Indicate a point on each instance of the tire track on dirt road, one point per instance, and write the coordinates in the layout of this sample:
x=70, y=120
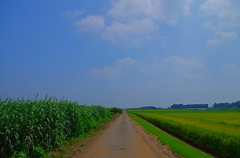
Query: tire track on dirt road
x=125, y=139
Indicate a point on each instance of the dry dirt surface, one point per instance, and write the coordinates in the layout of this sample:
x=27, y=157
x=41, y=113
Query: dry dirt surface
x=124, y=138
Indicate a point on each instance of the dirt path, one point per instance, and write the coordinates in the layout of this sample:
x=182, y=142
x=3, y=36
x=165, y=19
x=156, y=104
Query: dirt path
x=125, y=139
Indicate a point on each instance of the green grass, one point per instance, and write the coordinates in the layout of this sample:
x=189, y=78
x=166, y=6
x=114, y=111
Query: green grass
x=176, y=145
x=60, y=152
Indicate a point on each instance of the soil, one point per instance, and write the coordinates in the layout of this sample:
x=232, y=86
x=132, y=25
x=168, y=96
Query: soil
x=124, y=138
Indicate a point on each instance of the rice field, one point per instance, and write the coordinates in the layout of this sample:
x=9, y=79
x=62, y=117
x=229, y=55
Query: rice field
x=217, y=132
x=29, y=128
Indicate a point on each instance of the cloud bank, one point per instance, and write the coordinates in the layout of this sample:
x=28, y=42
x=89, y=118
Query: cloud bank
x=113, y=72
x=166, y=66
x=221, y=37
x=134, y=21
x=90, y=24
x=223, y=17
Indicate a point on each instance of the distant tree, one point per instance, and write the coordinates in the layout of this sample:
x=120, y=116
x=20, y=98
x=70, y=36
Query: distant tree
x=222, y=105
x=227, y=105
x=236, y=104
x=148, y=107
x=115, y=110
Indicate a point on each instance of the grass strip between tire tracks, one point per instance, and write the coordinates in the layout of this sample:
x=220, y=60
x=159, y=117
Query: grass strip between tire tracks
x=176, y=145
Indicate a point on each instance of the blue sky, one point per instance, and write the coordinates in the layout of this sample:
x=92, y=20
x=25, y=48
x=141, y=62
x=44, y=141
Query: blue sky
x=124, y=53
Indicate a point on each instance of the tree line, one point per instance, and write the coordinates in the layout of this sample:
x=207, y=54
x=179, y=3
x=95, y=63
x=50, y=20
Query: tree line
x=187, y=106
x=227, y=105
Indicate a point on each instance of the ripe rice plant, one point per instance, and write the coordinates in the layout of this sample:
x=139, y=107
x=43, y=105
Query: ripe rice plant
x=29, y=128
x=216, y=132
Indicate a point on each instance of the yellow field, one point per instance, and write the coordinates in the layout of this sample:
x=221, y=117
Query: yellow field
x=215, y=131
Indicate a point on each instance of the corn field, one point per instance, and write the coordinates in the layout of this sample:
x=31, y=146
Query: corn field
x=29, y=128
x=216, y=132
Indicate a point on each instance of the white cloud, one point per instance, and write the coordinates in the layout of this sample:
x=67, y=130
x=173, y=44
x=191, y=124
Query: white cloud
x=232, y=69
x=171, y=11
x=126, y=62
x=191, y=76
x=116, y=71
x=214, y=41
x=134, y=21
x=69, y=13
x=229, y=65
x=91, y=23
x=129, y=31
x=107, y=72
x=221, y=37
x=225, y=14
x=155, y=9
x=173, y=64
x=130, y=8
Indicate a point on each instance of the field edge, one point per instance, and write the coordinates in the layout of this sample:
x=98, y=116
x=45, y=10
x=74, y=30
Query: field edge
x=176, y=145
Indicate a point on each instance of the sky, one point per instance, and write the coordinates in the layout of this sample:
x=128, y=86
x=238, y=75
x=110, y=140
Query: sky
x=121, y=53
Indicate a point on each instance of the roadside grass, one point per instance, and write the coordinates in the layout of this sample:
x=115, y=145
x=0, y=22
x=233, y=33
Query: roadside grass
x=177, y=146
x=70, y=147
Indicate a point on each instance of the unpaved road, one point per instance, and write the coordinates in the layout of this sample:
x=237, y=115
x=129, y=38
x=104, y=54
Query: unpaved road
x=125, y=139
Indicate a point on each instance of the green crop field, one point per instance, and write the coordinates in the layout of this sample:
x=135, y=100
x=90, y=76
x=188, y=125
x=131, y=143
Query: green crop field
x=217, y=132
x=29, y=128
